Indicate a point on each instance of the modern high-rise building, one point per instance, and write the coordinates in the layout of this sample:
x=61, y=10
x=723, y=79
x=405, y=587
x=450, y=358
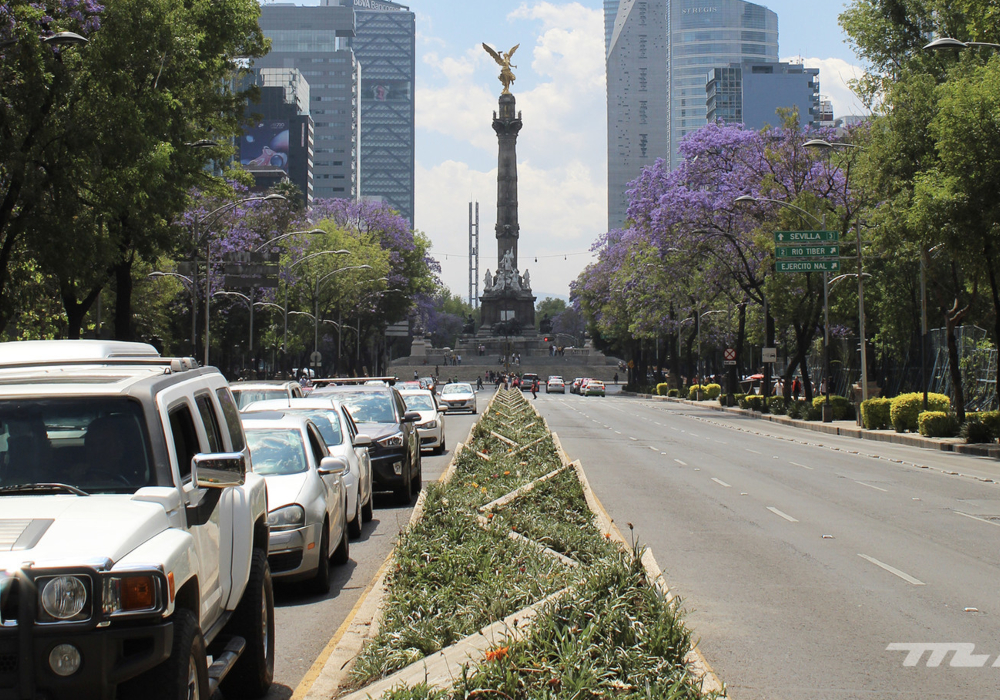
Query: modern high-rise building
x=638, y=106
x=610, y=13
x=385, y=45
x=659, y=57
x=751, y=93
x=315, y=41
x=705, y=34
x=277, y=142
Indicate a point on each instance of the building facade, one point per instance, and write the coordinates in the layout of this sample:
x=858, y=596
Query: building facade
x=385, y=46
x=705, y=34
x=638, y=107
x=610, y=13
x=315, y=41
x=751, y=93
x=277, y=142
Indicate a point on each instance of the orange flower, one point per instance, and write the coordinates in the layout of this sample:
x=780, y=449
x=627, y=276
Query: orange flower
x=498, y=653
x=506, y=473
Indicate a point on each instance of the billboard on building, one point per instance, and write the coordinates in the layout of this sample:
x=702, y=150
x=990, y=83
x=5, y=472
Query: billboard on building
x=265, y=144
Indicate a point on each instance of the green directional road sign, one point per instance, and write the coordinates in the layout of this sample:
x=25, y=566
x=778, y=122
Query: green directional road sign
x=800, y=237
x=807, y=251
x=808, y=266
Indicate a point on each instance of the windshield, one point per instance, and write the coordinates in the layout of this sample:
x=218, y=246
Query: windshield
x=245, y=397
x=457, y=389
x=326, y=420
x=367, y=406
x=419, y=402
x=277, y=451
x=94, y=444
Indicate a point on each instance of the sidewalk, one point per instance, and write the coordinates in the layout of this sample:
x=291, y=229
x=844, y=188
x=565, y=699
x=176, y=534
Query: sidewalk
x=848, y=428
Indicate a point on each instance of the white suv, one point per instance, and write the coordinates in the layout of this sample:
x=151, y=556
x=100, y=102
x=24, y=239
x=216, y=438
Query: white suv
x=133, y=538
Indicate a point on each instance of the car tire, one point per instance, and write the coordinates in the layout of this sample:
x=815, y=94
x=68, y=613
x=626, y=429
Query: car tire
x=320, y=585
x=354, y=526
x=442, y=448
x=404, y=492
x=343, y=552
x=418, y=478
x=254, y=621
x=368, y=509
x=182, y=674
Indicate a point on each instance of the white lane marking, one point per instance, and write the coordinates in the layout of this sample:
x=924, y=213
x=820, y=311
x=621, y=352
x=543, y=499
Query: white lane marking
x=799, y=465
x=683, y=464
x=692, y=434
x=892, y=570
x=982, y=520
x=749, y=450
x=720, y=482
x=618, y=432
x=722, y=442
x=654, y=449
x=659, y=424
x=786, y=516
x=872, y=487
x=632, y=438
x=674, y=429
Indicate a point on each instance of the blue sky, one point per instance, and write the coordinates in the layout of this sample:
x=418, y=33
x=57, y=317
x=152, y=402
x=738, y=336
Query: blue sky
x=562, y=149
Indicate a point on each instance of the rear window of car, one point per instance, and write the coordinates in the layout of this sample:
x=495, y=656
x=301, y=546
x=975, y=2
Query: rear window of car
x=457, y=389
x=326, y=420
x=366, y=406
x=245, y=397
x=277, y=451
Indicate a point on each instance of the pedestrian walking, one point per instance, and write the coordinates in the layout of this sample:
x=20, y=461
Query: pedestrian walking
x=616, y=378
x=534, y=389
x=479, y=383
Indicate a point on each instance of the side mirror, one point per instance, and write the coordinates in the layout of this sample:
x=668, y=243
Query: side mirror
x=218, y=471
x=332, y=465
x=411, y=417
x=362, y=440
x=442, y=408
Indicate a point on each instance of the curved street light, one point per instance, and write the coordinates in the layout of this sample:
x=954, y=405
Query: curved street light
x=157, y=274
x=319, y=281
x=310, y=232
x=946, y=42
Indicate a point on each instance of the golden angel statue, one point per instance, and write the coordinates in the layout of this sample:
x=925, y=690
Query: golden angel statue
x=503, y=60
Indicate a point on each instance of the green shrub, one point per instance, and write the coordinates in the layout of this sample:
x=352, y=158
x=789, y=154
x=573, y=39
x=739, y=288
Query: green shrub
x=991, y=419
x=712, y=391
x=662, y=389
x=974, y=430
x=905, y=409
x=937, y=423
x=842, y=408
x=875, y=414
x=777, y=405
x=810, y=411
x=693, y=392
x=674, y=393
x=758, y=403
x=792, y=410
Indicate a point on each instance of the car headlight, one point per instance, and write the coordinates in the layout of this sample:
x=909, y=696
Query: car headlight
x=428, y=425
x=395, y=440
x=287, y=517
x=64, y=597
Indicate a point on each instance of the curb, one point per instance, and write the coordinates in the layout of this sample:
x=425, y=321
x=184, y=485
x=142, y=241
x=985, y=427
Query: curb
x=330, y=673
x=975, y=450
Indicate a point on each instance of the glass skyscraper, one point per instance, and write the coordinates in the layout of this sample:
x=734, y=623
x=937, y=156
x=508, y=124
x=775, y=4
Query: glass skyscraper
x=659, y=55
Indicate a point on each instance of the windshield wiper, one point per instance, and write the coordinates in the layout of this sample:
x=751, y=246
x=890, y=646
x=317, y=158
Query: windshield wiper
x=38, y=488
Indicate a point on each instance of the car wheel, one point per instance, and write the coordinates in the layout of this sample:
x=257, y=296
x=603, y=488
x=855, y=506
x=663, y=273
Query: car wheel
x=320, y=585
x=254, y=621
x=418, y=478
x=442, y=448
x=343, y=552
x=183, y=675
x=368, y=509
x=404, y=492
x=354, y=526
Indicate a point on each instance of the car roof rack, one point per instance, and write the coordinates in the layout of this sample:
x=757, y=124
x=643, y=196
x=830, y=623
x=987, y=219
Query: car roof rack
x=326, y=381
x=79, y=353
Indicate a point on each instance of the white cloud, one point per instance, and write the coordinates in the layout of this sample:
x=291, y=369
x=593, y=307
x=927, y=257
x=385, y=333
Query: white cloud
x=834, y=75
x=562, y=148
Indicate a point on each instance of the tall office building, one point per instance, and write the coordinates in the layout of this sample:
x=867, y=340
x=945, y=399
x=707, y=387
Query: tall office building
x=659, y=57
x=315, y=40
x=706, y=34
x=277, y=143
x=751, y=93
x=385, y=45
x=638, y=108
x=610, y=13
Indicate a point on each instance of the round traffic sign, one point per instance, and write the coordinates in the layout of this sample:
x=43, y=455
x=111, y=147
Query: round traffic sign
x=730, y=354
x=316, y=357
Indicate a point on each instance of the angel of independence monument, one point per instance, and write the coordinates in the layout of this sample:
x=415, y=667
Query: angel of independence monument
x=507, y=306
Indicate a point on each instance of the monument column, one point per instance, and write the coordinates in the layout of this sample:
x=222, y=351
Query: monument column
x=507, y=126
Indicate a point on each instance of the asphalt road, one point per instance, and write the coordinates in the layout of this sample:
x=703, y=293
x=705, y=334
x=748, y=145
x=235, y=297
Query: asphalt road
x=801, y=556
x=304, y=623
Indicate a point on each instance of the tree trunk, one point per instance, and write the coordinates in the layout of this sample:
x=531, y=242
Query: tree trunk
x=953, y=318
x=76, y=311
x=123, y=299
x=994, y=292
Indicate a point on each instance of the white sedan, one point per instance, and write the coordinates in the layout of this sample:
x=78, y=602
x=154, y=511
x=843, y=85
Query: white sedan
x=343, y=440
x=458, y=397
x=555, y=384
x=430, y=427
x=305, y=497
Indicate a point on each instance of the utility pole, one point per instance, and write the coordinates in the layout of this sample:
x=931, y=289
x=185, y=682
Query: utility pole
x=474, y=256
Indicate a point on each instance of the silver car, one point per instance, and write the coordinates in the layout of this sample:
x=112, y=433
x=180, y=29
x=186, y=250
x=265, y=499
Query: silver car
x=430, y=427
x=247, y=393
x=305, y=497
x=458, y=397
x=343, y=439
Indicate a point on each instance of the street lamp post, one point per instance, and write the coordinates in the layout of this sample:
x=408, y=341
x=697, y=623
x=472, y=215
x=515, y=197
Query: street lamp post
x=319, y=281
x=194, y=303
x=343, y=251
x=249, y=302
x=701, y=361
